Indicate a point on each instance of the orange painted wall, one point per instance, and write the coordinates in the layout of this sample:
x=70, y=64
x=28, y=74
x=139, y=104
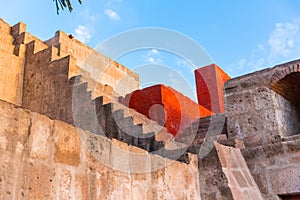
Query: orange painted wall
x=210, y=84
x=176, y=111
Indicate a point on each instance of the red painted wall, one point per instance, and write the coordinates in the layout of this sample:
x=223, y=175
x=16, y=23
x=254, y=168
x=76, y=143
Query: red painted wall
x=210, y=84
x=167, y=106
x=175, y=111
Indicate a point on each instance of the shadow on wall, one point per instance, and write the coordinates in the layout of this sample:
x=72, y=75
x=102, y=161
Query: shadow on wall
x=287, y=104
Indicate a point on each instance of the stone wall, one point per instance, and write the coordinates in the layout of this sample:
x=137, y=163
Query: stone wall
x=11, y=67
x=48, y=156
x=262, y=112
x=275, y=168
x=249, y=101
x=256, y=113
x=287, y=116
x=48, y=159
x=213, y=182
x=101, y=68
x=240, y=180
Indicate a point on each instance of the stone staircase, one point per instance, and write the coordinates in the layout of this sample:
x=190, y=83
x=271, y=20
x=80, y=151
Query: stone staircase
x=54, y=86
x=203, y=132
x=115, y=120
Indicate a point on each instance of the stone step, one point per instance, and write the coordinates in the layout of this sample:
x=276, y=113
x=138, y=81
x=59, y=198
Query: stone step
x=147, y=124
x=179, y=154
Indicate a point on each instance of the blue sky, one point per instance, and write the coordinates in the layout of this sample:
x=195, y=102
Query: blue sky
x=240, y=36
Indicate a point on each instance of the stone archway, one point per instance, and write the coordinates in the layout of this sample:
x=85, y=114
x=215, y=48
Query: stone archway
x=287, y=103
x=290, y=197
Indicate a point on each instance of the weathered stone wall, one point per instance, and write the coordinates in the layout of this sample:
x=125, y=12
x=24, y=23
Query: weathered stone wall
x=240, y=181
x=101, y=68
x=48, y=159
x=265, y=116
x=213, y=182
x=287, y=116
x=249, y=102
x=11, y=67
x=275, y=168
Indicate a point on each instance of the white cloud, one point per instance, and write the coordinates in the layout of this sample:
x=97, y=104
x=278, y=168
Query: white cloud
x=282, y=39
x=283, y=45
x=112, y=14
x=155, y=51
x=151, y=60
x=153, y=56
x=92, y=18
x=83, y=34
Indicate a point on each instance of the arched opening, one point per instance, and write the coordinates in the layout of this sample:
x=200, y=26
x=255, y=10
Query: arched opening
x=290, y=197
x=287, y=104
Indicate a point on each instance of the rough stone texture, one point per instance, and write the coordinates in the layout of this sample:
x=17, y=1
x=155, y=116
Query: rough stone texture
x=287, y=116
x=256, y=98
x=275, y=168
x=240, y=181
x=74, y=164
x=63, y=135
x=112, y=76
x=213, y=182
x=11, y=68
x=210, y=85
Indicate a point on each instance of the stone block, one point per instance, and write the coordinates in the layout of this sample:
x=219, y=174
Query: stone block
x=67, y=144
x=40, y=131
x=119, y=156
x=81, y=187
x=41, y=181
x=279, y=176
x=237, y=173
x=99, y=147
x=65, y=185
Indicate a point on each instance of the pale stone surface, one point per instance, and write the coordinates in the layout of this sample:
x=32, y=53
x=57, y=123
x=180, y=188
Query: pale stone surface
x=240, y=180
x=56, y=162
x=105, y=71
x=11, y=68
x=67, y=144
x=40, y=131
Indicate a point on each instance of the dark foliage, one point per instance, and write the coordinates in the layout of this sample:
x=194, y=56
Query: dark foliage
x=64, y=4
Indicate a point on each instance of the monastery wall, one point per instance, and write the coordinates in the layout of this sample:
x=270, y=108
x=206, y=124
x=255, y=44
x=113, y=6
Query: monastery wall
x=65, y=135
x=49, y=159
x=101, y=68
x=11, y=67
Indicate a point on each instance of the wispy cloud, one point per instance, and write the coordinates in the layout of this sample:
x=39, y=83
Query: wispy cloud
x=282, y=40
x=112, y=14
x=83, y=34
x=153, y=56
x=282, y=45
x=92, y=18
x=185, y=65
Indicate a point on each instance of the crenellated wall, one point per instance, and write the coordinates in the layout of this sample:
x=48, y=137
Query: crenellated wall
x=11, y=67
x=102, y=69
x=65, y=135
